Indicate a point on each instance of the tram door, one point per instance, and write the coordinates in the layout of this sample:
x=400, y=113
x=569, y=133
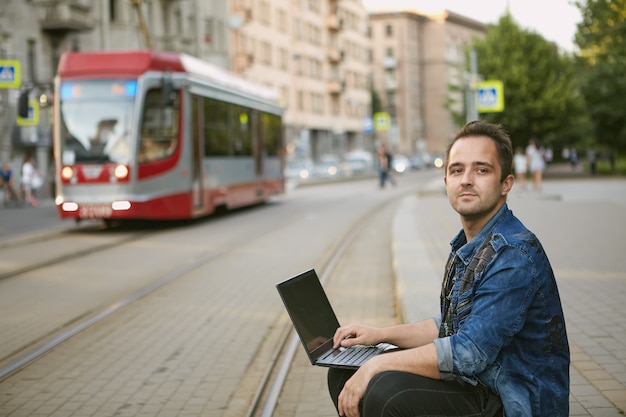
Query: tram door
x=259, y=152
x=197, y=145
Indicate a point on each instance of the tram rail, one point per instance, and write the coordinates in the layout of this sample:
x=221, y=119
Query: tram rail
x=279, y=340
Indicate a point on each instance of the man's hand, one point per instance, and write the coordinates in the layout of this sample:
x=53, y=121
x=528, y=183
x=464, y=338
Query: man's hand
x=354, y=390
x=356, y=334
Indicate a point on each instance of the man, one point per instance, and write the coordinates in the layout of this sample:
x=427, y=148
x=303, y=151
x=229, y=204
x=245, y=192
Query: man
x=384, y=167
x=499, y=345
x=9, y=192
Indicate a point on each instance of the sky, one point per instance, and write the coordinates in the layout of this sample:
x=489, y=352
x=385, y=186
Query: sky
x=555, y=20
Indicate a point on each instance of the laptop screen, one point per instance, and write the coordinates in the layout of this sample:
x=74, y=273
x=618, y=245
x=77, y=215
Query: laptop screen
x=310, y=310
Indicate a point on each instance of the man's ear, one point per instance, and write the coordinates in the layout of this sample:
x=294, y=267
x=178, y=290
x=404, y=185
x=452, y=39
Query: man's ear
x=507, y=184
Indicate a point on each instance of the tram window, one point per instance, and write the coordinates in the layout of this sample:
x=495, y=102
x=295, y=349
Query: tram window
x=241, y=130
x=272, y=133
x=159, y=128
x=215, y=127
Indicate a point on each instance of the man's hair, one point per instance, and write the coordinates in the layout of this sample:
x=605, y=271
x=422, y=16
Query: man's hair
x=497, y=134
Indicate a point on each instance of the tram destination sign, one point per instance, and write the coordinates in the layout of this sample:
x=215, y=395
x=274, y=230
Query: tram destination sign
x=10, y=73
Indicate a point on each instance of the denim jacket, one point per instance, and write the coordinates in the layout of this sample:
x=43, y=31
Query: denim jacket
x=508, y=330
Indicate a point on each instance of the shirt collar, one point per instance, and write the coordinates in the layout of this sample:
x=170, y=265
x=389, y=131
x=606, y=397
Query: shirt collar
x=465, y=250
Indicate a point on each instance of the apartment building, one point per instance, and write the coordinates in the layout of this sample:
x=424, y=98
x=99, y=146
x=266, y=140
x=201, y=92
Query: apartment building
x=417, y=57
x=322, y=56
x=315, y=53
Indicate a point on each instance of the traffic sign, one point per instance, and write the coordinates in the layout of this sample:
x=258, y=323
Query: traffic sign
x=490, y=96
x=33, y=115
x=368, y=125
x=382, y=121
x=10, y=73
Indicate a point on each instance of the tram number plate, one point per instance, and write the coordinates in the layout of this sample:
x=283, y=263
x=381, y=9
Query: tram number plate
x=95, y=211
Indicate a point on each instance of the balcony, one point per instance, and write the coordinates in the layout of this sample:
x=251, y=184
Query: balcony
x=64, y=16
x=389, y=62
x=336, y=87
x=334, y=55
x=391, y=85
x=333, y=22
x=244, y=60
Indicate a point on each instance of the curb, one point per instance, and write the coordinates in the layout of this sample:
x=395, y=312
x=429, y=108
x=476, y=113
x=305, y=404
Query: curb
x=417, y=281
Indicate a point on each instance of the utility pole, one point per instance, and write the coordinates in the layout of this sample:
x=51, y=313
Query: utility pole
x=471, y=111
x=142, y=23
x=5, y=121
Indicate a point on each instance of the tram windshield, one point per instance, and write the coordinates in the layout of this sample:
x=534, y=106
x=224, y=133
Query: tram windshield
x=95, y=121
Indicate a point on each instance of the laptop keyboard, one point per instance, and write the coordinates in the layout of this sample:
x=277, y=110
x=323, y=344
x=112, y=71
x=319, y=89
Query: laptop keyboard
x=356, y=355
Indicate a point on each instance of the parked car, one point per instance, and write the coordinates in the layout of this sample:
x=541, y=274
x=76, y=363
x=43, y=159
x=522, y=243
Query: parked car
x=358, y=163
x=420, y=161
x=299, y=170
x=328, y=166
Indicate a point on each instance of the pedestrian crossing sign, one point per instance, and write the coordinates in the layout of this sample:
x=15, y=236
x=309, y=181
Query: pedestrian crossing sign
x=382, y=121
x=33, y=115
x=10, y=73
x=490, y=96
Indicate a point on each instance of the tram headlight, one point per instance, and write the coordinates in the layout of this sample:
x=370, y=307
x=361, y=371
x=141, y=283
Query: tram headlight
x=67, y=173
x=121, y=205
x=120, y=172
x=69, y=206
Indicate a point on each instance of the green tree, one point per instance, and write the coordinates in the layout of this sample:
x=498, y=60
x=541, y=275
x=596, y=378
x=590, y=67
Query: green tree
x=540, y=88
x=601, y=37
x=377, y=105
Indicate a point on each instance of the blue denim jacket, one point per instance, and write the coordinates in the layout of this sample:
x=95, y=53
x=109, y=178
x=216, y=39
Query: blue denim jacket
x=508, y=325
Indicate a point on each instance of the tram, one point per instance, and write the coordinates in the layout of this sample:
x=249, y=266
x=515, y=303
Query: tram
x=161, y=136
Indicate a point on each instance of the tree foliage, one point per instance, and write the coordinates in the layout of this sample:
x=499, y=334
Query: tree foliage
x=540, y=88
x=601, y=37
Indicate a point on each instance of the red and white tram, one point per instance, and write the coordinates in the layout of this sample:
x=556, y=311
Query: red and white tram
x=161, y=135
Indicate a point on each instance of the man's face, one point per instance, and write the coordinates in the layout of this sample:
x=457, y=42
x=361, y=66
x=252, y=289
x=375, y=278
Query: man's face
x=473, y=179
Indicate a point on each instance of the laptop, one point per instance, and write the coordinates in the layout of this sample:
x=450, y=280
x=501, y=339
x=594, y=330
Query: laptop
x=315, y=322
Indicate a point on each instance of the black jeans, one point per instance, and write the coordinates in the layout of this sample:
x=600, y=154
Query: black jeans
x=402, y=394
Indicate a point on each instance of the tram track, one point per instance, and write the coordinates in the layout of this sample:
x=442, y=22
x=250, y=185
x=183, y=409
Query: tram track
x=42, y=261
x=42, y=347
x=266, y=397
x=116, y=238
x=272, y=382
x=212, y=249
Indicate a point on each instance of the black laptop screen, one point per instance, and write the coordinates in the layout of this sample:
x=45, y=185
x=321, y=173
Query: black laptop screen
x=309, y=308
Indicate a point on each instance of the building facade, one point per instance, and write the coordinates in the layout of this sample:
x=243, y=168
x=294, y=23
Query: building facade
x=417, y=58
x=315, y=53
x=322, y=56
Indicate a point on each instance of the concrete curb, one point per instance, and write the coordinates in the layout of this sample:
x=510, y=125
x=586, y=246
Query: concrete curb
x=417, y=280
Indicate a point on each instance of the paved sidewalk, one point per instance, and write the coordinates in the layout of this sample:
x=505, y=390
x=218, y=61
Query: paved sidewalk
x=576, y=222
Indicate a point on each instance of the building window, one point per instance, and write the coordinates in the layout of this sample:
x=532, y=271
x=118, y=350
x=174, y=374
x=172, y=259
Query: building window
x=264, y=12
x=282, y=21
x=297, y=28
x=389, y=30
x=300, y=101
x=284, y=57
x=113, y=11
x=31, y=51
x=266, y=53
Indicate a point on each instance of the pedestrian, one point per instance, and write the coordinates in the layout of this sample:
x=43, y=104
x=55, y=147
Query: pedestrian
x=9, y=193
x=498, y=345
x=520, y=164
x=573, y=158
x=385, y=167
x=29, y=180
x=592, y=160
x=536, y=163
